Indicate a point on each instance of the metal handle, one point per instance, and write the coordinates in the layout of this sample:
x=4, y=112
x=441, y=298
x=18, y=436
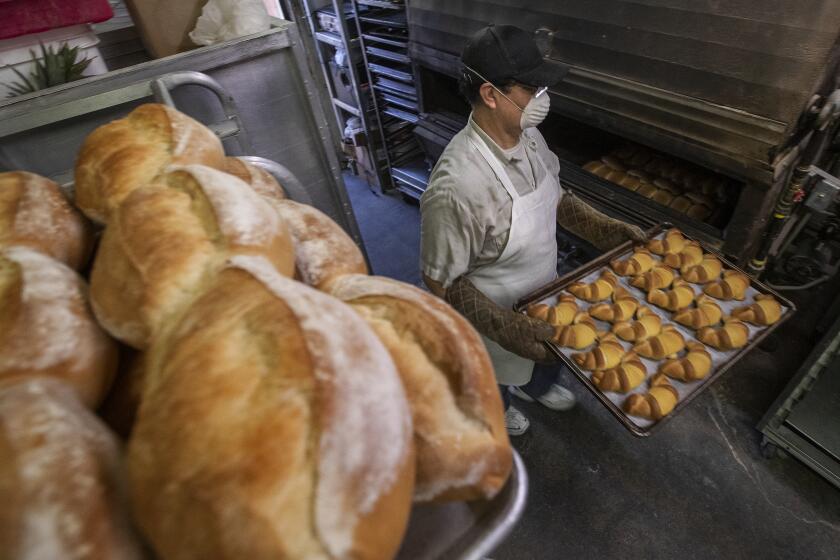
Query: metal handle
x=286, y=178
x=230, y=127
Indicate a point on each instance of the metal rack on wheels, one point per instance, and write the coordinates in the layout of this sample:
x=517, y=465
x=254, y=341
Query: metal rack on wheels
x=332, y=25
x=382, y=27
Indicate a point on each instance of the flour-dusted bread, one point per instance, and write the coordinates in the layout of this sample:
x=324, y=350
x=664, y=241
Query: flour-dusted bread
x=463, y=450
x=323, y=251
x=169, y=238
x=35, y=214
x=259, y=179
x=128, y=153
x=273, y=424
x=60, y=478
x=47, y=328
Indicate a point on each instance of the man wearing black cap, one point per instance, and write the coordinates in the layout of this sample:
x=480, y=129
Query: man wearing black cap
x=489, y=216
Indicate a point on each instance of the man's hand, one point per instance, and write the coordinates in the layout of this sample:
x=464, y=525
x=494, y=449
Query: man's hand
x=513, y=331
x=596, y=227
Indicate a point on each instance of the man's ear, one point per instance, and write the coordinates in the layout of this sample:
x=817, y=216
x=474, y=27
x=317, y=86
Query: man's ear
x=488, y=95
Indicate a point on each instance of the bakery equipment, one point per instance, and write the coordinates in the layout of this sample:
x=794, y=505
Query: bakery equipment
x=722, y=361
x=466, y=530
x=804, y=421
x=730, y=88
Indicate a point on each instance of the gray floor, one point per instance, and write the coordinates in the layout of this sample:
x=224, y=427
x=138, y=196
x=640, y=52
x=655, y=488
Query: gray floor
x=700, y=488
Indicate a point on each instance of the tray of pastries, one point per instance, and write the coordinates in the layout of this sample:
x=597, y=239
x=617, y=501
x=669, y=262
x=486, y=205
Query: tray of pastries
x=647, y=328
x=686, y=189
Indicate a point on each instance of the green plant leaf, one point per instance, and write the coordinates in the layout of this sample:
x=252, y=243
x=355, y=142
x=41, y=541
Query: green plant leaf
x=52, y=68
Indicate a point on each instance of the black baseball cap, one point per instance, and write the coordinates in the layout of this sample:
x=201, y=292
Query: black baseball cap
x=505, y=52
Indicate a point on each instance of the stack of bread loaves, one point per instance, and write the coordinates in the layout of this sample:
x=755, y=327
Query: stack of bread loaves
x=288, y=404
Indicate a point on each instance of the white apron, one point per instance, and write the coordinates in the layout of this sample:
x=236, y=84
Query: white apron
x=529, y=260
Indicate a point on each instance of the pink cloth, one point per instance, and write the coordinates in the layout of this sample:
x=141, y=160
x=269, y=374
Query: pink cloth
x=20, y=17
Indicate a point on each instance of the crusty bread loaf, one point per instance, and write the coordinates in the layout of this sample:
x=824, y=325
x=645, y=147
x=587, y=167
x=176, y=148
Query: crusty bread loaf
x=35, y=214
x=323, y=251
x=273, y=424
x=47, y=328
x=128, y=153
x=167, y=239
x=119, y=409
x=462, y=447
x=259, y=179
x=60, y=478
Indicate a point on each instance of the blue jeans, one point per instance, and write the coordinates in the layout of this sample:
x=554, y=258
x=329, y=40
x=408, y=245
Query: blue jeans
x=545, y=375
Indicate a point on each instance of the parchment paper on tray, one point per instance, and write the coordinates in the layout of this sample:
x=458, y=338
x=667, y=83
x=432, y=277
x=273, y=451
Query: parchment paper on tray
x=721, y=360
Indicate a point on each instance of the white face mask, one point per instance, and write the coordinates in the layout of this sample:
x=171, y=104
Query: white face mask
x=534, y=112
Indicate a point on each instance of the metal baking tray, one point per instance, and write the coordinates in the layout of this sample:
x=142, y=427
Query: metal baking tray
x=688, y=392
x=389, y=55
x=466, y=530
x=401, y=74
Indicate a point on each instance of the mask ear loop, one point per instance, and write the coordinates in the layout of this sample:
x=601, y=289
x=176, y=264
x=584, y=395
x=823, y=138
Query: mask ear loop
x=515, y=104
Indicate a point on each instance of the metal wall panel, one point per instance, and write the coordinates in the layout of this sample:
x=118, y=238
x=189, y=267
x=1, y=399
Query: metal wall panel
x=761, y=57
x=268, y=75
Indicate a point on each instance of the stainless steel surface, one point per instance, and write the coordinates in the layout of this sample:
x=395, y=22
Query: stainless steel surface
x=466, y=530
x=294, y=189
x=825, y=190
x=230, y=127
x=623, y=250
x=816, y=416
x=804, y=420
x=269, y=74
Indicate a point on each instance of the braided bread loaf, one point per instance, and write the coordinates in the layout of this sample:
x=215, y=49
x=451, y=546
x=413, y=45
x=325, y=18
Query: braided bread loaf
x=578, y=335
x=655, y=279
x=599, y=290
x=693, y=366
x=672, y=242
x=733, y=285
x=639, y=262
x=706, y=314
x=657, y=403
x=648, y=324
x=680, y=296
x=732, y=335
x=765, y=311
x=707, y=271
x=623, y=378
x=558, y=315
x=666, y=343
x=606, y=355
x=691, y=255
x=622, y=310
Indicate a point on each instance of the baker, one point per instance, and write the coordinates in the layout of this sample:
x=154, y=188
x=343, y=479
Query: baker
x=490, y=213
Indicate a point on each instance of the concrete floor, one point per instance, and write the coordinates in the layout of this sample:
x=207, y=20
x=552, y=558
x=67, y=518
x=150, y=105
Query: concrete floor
x=699, y=488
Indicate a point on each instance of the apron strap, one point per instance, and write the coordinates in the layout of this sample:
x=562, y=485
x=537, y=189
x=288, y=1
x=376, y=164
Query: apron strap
x=494, y=163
